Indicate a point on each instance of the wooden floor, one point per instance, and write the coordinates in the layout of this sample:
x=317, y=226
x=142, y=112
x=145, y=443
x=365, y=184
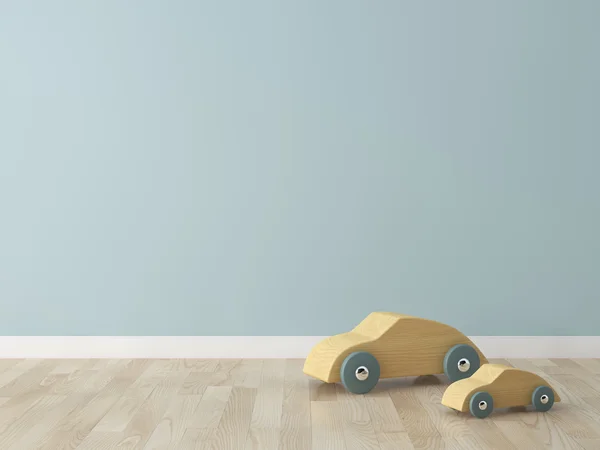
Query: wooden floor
x=271, y=404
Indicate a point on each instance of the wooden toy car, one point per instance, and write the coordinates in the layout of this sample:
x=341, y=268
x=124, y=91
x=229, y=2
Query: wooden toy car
x=390, y=345
x=499, y=386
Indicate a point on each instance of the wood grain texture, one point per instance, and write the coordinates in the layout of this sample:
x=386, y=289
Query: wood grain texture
x=544, y=429
x=358, y=429
x=235, y=422
x=489, y=434
x=211, y=407
x=589, y=444
x=429, y=443
x=519, y=435
x=403, y=345
x=169, y=432
x=262, y=439
x=413, y=415
x=327, y=426
x=20, y=426
x=592, y=365
x=393, y=441
x=295, y=430
x=271, y=404
x=164, y=386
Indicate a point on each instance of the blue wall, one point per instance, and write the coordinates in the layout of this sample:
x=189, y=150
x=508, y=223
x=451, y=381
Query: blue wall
x=269, y=167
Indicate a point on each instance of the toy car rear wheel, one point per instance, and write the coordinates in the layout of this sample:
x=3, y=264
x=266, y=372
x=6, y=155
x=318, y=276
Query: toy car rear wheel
x=481, y=404
x=542, y=398
x=360, y=372
x=461, y=361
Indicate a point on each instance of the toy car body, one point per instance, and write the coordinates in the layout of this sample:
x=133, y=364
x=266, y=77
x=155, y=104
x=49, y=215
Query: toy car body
x=499, y=386
x=394, y=345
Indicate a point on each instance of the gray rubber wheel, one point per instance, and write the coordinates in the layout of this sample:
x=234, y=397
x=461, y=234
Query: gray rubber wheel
x=481, y=404
x=461, y=361
x=360, y=372
x=542, y=398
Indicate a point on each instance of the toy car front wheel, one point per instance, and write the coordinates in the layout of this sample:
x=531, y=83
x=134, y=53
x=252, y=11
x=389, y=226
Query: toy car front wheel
x=461, y=361
x=481, y=404
x=360, y=372
x=542, y=398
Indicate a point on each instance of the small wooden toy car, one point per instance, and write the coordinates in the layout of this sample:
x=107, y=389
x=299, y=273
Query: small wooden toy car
x=390, y=345
x=499, y=386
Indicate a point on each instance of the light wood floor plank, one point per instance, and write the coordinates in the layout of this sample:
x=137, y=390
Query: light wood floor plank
x=412, y=414
x=249, y=404
x=211, y=407
x=589, y=444
x=6, y=364
x=566, y=395
x=170, y=430
x=14, y=370
x=566, y=363
x=592, y=365
x=577, y=422
x=267, y=410
x=69, y=383
x=75, y=427
x=321, y=392
x=42, y=407
x=102, y=440
x=428, y=443
x=262, y=439
x=234, y=372
x=95, y=380
x=197, y=382
x=68, y=366
x=44, y=429
x=199, y=439
x=389, y=440
x=268, y=401
x=593, y=403
x=518, y=434
x=146, y=418
x=121, y=413
x=13, y=408
x=295, y=433
x=384, y=416
x=358, y=429
x=499, y=361
x=577, y=386
x=525, y=364
x=28, y=381
x=249, y=373
x=235, y=422
x=200, y=365
x=327, y=426
x=542, y=362
x=489, y=434
x=546, y=430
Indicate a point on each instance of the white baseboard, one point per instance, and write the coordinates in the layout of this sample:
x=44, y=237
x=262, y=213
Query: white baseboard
x=263, y=346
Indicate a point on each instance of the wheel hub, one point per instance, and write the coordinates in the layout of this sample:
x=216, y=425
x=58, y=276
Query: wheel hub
x=464, y=365
x=362, y=373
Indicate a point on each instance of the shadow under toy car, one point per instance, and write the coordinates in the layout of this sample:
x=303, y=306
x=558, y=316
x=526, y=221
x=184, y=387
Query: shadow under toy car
x=390, y=345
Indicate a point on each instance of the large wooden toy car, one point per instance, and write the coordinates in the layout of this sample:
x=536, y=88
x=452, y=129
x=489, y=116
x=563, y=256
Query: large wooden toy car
x=390, y=345
x=499, y=386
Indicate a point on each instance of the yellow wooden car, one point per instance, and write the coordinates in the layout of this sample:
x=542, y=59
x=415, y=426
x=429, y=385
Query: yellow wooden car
x=499, y=386
x=390, y=345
